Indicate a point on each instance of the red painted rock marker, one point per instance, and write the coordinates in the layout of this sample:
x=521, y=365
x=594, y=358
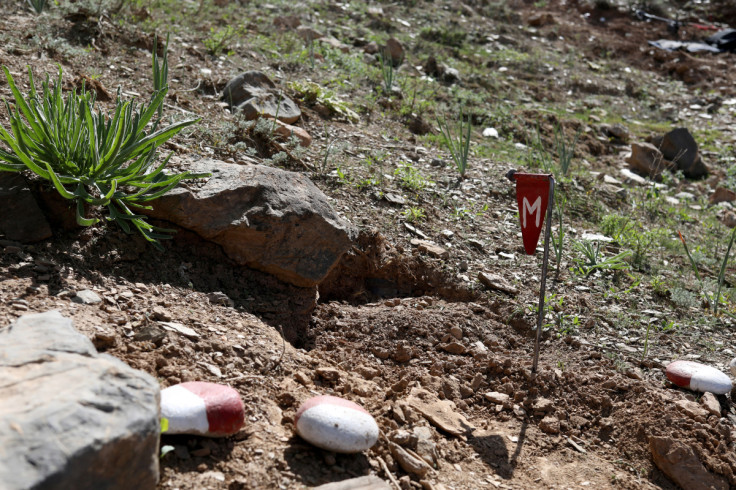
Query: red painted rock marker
x=336, y=424
x=200, y=408
x=698, y=377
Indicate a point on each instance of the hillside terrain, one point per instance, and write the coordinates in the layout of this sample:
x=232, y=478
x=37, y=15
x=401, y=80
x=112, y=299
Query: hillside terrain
x=428, y=320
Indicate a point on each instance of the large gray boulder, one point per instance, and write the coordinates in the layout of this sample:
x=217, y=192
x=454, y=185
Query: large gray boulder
x=70, y=417
x=265, y=218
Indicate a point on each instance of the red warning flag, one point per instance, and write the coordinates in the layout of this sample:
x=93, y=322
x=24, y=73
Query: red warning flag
x=532, y=195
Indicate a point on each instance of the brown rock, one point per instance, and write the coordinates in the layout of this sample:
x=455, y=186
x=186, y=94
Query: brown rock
x=408, y=462
x=497, y=398
x=721, y=194
x=328, y=374
x=161, y=313
x=441, y=414
x=648, y=160
x=285, y=131
x=617, y=132
x=494, y=281
x=371, y=48
x=550, y=425
x=729, y=219
x=692, y=409
x=268, y=219
x=285, y=22
x=21, y=219
x=454, y=348
x=679, y=146
x=395, y=51
x=308, y=34
x=92, y=85
x=679, y=462
x=255, y=95
x=541, y=19
x=543, y=405
x=335, y=43
x=710, y=403
x=432, y=250
x=368, y=372
x=403, y=353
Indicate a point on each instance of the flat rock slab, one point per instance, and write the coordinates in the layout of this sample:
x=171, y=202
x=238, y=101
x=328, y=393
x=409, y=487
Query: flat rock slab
x=70, y=417
x=370, y=482
x=440, y=413
x=494, y=281
x=21, y=219
x=698, y=377
x=265, y=218
x=87, y=297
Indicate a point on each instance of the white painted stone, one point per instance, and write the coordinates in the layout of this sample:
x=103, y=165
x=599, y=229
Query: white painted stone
x=490, y=133
x=185, y=411
x=336, y=424
x=698, y=377
x=199, y=408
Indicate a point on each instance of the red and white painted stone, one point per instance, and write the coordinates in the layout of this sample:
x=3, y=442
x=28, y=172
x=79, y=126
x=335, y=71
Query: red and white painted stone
x=336, y=424
x=698, y=377
x=200, y=408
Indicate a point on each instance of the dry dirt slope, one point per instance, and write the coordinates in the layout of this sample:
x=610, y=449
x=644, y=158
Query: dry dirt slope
x=406, y=341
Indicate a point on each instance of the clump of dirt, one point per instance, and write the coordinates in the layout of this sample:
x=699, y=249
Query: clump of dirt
x=374, y=269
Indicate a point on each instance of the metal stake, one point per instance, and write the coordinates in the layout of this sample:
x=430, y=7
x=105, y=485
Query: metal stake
x=542, y=286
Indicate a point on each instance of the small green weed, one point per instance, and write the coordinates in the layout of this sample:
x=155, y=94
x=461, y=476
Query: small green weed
x=219, y=39
x=414, y=214
x=683, y=298
x=565, y=150
x=593, y=260
x=411, y=179
x=457, y=141
x=448, y=37
x=558, y=239
x=713, y=299
x=387, y=72
x=311, y=94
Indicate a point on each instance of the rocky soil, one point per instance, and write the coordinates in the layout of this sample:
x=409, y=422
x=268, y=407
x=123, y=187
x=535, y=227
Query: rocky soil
x=403, y=326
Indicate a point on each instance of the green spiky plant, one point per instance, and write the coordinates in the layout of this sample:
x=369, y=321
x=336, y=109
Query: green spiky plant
x=38, y=5
x=457, y=141
x=92, y=157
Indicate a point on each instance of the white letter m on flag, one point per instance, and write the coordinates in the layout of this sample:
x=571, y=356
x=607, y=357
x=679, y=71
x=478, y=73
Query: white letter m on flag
x=534, y=208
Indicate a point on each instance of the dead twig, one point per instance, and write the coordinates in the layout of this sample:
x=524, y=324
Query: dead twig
x=391, y=477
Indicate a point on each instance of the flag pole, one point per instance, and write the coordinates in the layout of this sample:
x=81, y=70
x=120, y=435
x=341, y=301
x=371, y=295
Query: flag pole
x=542, y=286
